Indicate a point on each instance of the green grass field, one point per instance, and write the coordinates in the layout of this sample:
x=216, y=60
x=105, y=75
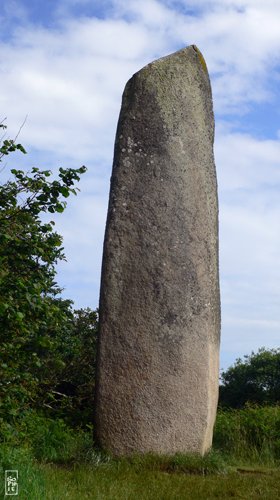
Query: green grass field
x=128, y=483
x=120, y=481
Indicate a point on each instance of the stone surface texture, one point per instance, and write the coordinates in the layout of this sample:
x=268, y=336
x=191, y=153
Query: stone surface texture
x=158, y=348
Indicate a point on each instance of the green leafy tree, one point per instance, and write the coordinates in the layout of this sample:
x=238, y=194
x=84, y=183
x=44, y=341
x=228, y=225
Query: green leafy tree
x=69, y=393
x=31, y=316
x=256, y=379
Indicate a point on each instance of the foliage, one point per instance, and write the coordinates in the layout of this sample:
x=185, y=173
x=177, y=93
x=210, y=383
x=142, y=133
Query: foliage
x=256, y=379
x=31, y=316
x=51, y=439
x=44, y=439
x=69, y=392
x=251, y=434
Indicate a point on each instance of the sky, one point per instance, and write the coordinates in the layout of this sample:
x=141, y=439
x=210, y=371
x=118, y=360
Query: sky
x=64, y=65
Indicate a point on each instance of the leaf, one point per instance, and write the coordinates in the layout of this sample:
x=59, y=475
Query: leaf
x=19, y=316
x=65, y=191
x=3, y=307
x=21, y=148
x=59, y=208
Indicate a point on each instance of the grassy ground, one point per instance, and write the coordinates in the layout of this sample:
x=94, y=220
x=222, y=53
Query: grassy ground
x=127, y=482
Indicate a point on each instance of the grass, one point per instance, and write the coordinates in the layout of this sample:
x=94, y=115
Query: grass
x=55, y=463
x=250, y=435
x=141, y=479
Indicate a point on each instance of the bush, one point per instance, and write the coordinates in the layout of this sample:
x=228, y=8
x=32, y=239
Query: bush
x=44, y=439
x=249, y=434
x=69, y=393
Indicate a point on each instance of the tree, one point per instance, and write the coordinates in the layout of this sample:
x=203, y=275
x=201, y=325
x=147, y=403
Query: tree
x=31, y=315
x=256, y=379
x=69, y=393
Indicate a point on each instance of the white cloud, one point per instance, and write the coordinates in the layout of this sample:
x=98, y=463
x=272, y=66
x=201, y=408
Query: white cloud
x=249, y=181
x=245, y=162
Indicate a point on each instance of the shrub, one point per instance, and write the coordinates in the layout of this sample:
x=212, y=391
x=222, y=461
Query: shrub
x=251, y=433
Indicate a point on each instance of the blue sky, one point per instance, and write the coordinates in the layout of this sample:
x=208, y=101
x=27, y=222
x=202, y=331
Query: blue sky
x=65, y=63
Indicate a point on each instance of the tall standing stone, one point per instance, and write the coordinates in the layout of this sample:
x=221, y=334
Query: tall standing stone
x=157, y=369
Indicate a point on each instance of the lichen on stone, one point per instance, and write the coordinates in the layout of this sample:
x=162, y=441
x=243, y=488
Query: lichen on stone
x=201, y=58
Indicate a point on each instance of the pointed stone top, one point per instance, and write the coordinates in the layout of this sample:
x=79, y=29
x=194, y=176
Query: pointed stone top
x=191, y=52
